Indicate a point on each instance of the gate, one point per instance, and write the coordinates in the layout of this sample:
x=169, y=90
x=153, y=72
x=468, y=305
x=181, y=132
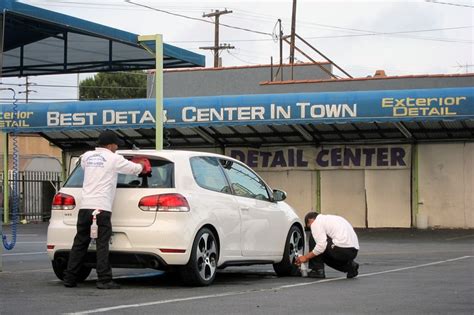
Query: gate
x=36, y=190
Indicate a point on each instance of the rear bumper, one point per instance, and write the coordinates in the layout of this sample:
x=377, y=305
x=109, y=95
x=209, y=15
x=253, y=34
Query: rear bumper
x=132, y=246
x=120, y=259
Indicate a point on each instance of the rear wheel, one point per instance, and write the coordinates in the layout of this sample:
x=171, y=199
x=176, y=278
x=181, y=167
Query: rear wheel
x=60, y=265
x=202, y=266
x=294, y=245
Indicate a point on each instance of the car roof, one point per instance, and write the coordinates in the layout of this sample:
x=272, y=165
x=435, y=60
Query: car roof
x=172, y=154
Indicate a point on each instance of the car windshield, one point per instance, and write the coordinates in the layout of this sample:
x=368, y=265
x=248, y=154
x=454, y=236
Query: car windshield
x=161, y=177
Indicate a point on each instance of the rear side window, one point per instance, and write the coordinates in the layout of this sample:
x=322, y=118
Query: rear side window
x=208, y=174
x=161, y=177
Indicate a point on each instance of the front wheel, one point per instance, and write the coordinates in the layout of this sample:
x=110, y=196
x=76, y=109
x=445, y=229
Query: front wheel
x=202, y=266
x=294, y=245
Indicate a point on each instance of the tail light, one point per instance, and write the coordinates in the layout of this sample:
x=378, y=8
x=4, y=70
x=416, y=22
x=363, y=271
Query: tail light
x=63, y=202
x=165, y=203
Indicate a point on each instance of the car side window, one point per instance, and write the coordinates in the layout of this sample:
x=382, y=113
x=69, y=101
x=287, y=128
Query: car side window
x=208, y=174
x=244, y=182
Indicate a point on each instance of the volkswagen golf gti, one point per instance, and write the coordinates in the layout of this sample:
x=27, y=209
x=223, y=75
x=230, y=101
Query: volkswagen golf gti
x=195, y=213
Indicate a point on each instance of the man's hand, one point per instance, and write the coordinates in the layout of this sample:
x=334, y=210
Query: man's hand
x=144, y=162
x=301, y=260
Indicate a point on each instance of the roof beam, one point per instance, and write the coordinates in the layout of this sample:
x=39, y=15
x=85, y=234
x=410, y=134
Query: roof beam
x=203, y=134
x=303, y=132
x=401, y=127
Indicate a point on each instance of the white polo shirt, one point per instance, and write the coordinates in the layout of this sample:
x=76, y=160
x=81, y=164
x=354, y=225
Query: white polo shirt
x=101, y=169
x=337, y=228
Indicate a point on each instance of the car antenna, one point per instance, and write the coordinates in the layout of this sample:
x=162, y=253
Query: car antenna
x=134, y=147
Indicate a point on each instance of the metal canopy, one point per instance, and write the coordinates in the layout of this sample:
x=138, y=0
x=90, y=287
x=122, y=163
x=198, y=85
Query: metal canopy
x=262, y=135
x=38, y=42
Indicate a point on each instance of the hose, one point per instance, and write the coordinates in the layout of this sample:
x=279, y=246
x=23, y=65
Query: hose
x=15, y=193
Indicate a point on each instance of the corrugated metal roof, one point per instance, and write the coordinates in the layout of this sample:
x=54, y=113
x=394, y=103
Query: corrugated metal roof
x=38, y=41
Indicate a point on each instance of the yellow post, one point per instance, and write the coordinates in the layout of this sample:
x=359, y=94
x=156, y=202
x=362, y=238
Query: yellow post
x=158, y=85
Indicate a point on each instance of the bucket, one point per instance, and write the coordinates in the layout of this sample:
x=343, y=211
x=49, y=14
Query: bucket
x=422, y=221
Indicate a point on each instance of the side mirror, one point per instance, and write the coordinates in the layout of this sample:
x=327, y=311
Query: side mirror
x=279, y=195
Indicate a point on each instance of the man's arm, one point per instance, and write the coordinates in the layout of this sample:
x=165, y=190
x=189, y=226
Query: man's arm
x=320, y=237
x=124, y=166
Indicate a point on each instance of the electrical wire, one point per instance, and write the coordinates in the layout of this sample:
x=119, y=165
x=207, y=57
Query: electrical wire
x=450, y=3
x=75, y=86
x=197, y=19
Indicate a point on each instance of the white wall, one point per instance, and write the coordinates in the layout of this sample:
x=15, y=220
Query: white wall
x=342, y=193
x=301, y=187
x=388, y=198
x=446, y=184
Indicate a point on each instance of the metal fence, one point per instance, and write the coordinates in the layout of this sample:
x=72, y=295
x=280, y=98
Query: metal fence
x=36, y=190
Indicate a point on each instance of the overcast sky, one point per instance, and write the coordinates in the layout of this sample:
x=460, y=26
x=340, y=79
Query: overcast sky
x=400, y=37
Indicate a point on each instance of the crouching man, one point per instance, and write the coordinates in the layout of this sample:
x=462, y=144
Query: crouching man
x=334, y=243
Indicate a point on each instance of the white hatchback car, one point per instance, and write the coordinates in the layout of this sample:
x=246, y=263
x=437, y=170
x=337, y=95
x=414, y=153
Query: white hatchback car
x=195, y=213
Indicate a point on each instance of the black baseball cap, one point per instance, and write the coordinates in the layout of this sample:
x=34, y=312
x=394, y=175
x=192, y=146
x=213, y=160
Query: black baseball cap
x=109, y=137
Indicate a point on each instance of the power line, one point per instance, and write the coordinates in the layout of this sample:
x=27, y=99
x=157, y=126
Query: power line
x=196, y=19
x=405, y=32
x=451, y=3
x=372, y=33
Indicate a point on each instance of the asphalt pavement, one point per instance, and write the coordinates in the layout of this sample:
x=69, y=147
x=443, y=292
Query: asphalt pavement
x=402, y=271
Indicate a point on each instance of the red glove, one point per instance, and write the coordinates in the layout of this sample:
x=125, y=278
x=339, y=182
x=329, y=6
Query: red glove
x=144, y=162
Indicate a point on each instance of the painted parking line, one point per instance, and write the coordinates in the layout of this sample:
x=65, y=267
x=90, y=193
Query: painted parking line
x=33, y=242
x=24, y=254
x=26, y=271
x=460, y=237
x=236, y=293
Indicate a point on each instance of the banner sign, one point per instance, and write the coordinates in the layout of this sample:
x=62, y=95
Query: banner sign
x=324, y=157
x=294, y=108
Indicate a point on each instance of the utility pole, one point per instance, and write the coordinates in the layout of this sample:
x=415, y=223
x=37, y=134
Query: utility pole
x=293, y=31
x=27, y=89
x=216, y=14
x=280, y=35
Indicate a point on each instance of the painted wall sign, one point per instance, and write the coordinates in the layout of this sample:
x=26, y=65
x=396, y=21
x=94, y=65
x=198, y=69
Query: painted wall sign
x=295, y=108
x=325, y=157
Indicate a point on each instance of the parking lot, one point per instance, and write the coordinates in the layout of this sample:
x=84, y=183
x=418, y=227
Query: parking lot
x=402, y=271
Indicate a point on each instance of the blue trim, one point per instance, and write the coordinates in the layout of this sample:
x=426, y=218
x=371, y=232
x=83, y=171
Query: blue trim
x=455, y=104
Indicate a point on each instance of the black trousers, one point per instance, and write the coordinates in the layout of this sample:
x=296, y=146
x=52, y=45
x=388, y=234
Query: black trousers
x=81, y=244
x=339, y=258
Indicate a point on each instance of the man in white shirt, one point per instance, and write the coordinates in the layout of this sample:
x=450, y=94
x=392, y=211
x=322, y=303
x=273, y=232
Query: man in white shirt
x=333, y=242
x=101, y=168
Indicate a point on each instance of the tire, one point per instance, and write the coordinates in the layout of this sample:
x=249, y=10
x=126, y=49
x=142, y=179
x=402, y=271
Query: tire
x=202, y=266
x=59, y=266
x=294, y=244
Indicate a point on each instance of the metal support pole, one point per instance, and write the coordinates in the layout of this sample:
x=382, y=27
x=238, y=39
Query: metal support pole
x=159, y=91
x=6, y=210
x=158, y=39
x=318, y=191
x=414, y=184
x=5, y=191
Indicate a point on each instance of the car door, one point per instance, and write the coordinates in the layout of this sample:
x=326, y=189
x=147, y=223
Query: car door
x=218, y=203
x=262, y=220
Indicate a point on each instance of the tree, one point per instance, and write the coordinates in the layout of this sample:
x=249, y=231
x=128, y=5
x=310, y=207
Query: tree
x=119, y=85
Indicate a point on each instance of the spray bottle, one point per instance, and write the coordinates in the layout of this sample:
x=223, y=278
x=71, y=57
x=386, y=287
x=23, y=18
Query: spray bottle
x=303, y=266
x=94, y=227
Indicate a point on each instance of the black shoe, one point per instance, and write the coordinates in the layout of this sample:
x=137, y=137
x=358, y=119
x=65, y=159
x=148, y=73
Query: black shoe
x=354, y=271
x=108, y=285
x=68, y=284
x=317, y=273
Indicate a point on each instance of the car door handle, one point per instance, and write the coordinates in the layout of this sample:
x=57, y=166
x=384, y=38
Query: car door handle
x=244, y=208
